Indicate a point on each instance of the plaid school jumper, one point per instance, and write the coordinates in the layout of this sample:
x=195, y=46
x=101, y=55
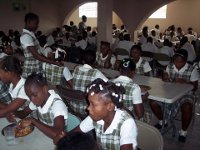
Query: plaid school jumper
x=5, y=97
x=110, y=141
x=80, y=80
x=30, y=63
x=189, y=97
x=48, y=118
x=140, y=69
x=128, y=97
x=53, y=73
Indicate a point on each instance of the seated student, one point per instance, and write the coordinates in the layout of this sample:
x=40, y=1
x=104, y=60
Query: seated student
x=84, y=75
x=132, y=99
x=181, y=72
x=142, y=66
x=105, y=58
x=45, y=48
x=52, y=111
x=75, y=141
x=114, y=127
x=5, y=48
x=5, y=96
x=55, y=74
x=10, y=73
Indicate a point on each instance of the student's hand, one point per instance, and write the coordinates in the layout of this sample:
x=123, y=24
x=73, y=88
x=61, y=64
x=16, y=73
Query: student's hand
x=25, y=122
x=58, y=137
x=58, y=63
x=11, y=117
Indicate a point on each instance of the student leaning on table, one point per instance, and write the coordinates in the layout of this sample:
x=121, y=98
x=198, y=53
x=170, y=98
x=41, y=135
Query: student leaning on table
x=10, y=73
x=114, y=127
x=181, y=72
x=52, y=111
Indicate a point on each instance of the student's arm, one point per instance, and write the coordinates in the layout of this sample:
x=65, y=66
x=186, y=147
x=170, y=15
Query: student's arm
x=13, y=106
x=23, y=113
x=126, y=147
x=139, y=110
x=50, y=131
x=35, y=53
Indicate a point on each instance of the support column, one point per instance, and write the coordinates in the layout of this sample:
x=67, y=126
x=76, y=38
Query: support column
x=104, y=21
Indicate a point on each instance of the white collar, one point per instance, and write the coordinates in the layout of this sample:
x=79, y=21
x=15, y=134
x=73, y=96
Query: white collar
x=182, y=69
x=49, y=101
x=29, y=32
x=124, y=78
x=87, y=66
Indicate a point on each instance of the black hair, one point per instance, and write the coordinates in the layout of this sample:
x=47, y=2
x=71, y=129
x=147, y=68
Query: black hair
x=43, y=40
x=37, y=79
x=11, y=64
x=181, y=53
x=30, y=16
x=150, y=39
x=107, y=44
x=89, y=57
x=108, y=89
x=127, y=37
x=137, y=47
x=76, y=141
x=127, y=65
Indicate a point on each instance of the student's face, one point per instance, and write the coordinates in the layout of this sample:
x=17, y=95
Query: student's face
x=33, y=24
x=179, y=62
x=5, y=76
x=98, y=108
x=135, y=54
x=104, y=49
x=37, y=94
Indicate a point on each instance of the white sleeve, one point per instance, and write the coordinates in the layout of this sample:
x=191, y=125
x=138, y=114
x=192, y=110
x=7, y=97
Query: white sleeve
x=67, y=74
x=195, y=75
x=59, y=109
x=101, y=76
x=167, y=70
x=137, y=99
x=32, y=106
x=22, y=94
x=26, y=40
x=147, y=67
x=128, y=133
x=86, y=125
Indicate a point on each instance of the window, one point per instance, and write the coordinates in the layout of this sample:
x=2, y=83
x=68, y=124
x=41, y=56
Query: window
x=160, y=13
x=89, y=10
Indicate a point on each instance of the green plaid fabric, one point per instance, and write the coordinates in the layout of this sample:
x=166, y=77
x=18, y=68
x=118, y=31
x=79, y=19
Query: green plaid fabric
x=30, y=63
x=128, y=96
x=185, y=75
x=53, y=73
x=110, y=141
x=5, y=97
x=47, y=118
x=82, y=78
x=140, y=69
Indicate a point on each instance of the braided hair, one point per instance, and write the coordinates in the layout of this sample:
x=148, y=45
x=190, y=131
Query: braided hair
x=37, y=79
x=108, y=89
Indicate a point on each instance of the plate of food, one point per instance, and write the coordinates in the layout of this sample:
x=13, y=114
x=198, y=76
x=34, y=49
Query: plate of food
x=145, y=87
x=20, y=132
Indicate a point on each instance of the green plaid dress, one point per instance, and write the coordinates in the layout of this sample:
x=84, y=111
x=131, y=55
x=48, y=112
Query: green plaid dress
x=110, y=141
x=48, y=118
x=53, y=73
x=5, y=97
x=140, y=69
x=30, y=63
x=80, y=80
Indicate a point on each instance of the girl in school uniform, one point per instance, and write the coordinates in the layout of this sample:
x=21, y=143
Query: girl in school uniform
x=52, y=112
x=10, y=74
x=115, y=128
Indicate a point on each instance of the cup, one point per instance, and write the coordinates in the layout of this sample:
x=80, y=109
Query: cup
x=9, y=133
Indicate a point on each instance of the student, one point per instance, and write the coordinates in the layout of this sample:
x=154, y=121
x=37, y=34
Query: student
x=10, y=73
x=52, y=111
x=84, y=75
x=4, y=93
x=180, y=72
x=114, y=127
x=76, y=141
x=142, y=66
x=31, y=46
x=45, y=48
x=105, y=58
x=132, y=99
x=82, y=25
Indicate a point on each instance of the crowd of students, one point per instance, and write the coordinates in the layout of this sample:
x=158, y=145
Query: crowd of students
x=113, y=104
